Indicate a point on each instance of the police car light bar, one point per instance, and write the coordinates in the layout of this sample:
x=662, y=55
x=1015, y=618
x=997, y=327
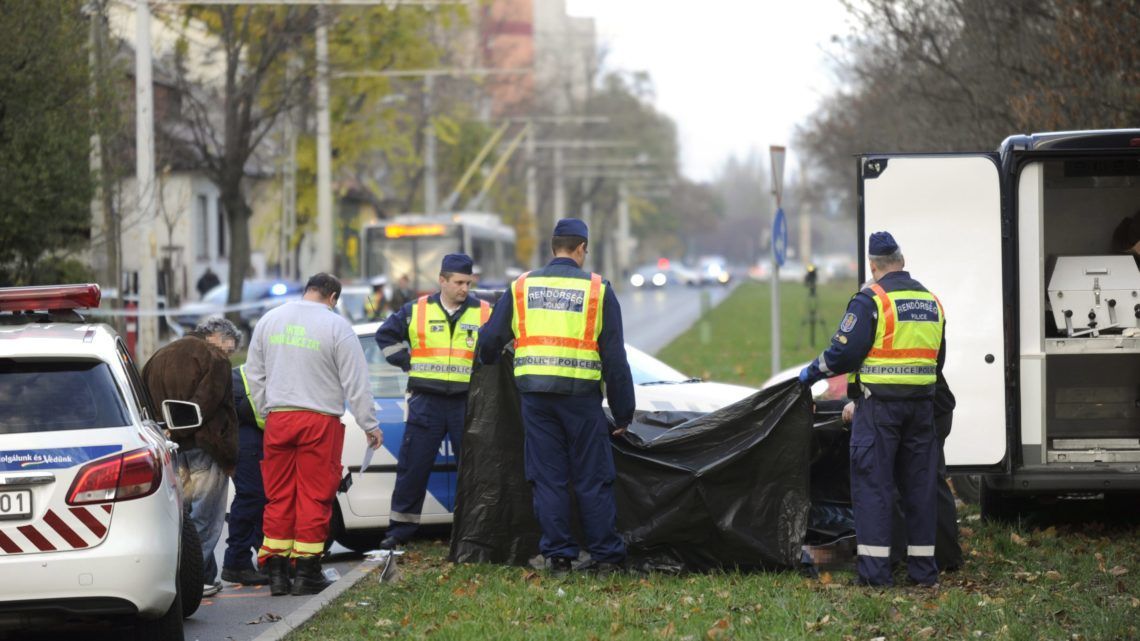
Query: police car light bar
x=49, y=298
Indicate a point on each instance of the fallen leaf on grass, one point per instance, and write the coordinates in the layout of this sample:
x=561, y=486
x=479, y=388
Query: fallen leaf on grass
x=406, y=620
x=384, y=623
x=531, y=575
x=825, y=578
x=718, y=629
x=925, y=632
x=1017, y=539
x=1118, y=570
x=818, y=625
x=1135, y=602
x=668, y=631
x=965, y=531
x=1053, y=575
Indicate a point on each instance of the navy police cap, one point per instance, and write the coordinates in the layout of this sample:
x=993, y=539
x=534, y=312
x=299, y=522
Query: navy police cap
x=882, y=243
x=457, y=264
x=571, y=227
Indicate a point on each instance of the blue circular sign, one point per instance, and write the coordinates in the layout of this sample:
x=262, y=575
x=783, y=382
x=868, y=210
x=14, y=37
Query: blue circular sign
x=780, y=237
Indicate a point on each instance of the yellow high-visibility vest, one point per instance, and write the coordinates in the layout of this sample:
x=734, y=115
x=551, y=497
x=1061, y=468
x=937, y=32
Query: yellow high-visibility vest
x=556, y=322
x=903, y=360
x=245, y=383
x=442, y=357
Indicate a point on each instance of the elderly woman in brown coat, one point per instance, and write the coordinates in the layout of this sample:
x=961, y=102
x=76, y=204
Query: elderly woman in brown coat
x=196, y=368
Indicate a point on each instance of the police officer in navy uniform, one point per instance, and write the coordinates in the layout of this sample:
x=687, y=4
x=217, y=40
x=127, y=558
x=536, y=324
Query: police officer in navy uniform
x=567, y=328
x=890, y=343
x=433, y=339
x=248, y=506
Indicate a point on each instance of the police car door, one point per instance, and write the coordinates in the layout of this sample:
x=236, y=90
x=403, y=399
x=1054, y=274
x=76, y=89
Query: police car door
x=945, y=213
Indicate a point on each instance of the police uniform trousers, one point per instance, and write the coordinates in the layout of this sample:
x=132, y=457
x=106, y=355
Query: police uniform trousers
x=947, y=549
x=249, y=500
x=301, y=472
x=893, y=443
x=568, y=445
x=430, y=418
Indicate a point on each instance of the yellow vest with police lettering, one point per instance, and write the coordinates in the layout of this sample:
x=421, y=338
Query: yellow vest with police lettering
x=556, y=322
x=903, y=360
x=442, y=358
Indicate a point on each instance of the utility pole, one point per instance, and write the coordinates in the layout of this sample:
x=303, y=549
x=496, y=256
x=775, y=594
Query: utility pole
x=144, y=178
x=323, y=258
x=779, y=245
x=532, y=194
x=431, y=192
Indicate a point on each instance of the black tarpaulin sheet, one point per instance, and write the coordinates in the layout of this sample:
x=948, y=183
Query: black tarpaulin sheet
x=728, y=489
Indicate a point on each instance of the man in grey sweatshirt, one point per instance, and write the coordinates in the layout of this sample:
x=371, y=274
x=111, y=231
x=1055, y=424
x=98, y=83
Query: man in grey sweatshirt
x=305, y=364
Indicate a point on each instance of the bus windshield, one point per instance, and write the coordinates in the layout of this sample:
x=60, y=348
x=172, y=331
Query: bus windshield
x=417, y=256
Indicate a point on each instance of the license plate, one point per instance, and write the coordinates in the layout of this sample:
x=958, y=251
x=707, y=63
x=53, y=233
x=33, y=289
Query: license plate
x=16, y=504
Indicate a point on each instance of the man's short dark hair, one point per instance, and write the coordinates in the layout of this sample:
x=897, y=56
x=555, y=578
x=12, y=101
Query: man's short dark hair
x=565, y=244
x=326, y=284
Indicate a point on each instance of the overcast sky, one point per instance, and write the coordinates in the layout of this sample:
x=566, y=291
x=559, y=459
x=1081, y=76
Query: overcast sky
x=735, y=75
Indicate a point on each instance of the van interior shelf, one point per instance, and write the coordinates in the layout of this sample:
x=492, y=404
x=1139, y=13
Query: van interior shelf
x=1108, y=344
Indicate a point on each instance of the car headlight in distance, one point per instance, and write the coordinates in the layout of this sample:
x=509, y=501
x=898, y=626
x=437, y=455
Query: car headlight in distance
x=659, y=279
x=278, y=289
x=722, y=277
x=637, y=280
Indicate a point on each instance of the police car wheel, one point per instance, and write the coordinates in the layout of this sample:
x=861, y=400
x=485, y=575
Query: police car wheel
x=190, y=568
x=355, y=540
x=167, y=627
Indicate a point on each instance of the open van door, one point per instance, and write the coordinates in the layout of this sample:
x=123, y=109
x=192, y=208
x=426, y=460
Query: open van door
x=945, y=213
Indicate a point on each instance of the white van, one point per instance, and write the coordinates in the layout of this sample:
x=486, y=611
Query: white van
x=1048, y=387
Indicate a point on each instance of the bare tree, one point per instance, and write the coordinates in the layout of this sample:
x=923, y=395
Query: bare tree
x=254, y=44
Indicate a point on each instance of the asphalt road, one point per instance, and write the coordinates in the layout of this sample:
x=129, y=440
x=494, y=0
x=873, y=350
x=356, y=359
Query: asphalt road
x=652, y=318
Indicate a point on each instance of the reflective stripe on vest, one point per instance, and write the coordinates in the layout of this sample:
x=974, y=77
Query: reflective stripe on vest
x=557, y=321
x=441, y=354
x=245, y=383
x=907, y=338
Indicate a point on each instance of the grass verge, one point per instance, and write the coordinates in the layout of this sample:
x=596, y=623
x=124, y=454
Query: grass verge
x=733, y=342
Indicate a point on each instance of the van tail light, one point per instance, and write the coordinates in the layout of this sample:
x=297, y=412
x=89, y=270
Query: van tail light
x=123, y=477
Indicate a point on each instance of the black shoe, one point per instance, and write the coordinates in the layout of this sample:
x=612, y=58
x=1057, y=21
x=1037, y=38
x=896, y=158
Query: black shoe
x=248, y=576
x=310, y=579
x=559, y=566
x=390, y=543
x=278, y=569
x=601, y=569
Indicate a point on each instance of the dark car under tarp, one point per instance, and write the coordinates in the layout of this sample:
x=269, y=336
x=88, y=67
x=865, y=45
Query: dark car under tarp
x=695, y=492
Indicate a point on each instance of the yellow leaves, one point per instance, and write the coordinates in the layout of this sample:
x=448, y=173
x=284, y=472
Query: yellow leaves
x=1053, y=575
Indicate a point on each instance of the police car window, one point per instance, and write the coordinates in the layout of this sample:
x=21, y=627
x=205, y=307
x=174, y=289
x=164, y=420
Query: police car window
x=53, y=395
x=146, y=405
x=386, y=379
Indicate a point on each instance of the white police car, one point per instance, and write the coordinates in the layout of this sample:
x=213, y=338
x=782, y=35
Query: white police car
x=91, y=514
x=361, y=514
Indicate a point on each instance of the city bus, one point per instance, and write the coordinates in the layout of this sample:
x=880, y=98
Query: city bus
x=414, y=245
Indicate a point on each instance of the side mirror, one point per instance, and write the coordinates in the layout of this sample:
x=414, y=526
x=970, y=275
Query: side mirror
x=181, y=415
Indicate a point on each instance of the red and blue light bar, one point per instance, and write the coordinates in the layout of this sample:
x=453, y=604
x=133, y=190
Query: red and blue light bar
x=49, y=298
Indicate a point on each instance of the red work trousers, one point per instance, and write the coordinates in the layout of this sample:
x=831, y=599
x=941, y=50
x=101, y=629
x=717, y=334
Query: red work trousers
x=301, y=471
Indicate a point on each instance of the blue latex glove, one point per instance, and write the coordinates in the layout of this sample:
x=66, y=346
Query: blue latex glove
x=805, y=375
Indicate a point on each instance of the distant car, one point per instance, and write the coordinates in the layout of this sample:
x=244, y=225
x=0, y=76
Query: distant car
x=361, y=514
x=91, y=511
x=257, y=297
x=351, y=303
x=713, y=270
x=662, y=273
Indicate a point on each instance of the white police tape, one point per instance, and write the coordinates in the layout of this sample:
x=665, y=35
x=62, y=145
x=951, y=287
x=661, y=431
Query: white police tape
x=195, y=310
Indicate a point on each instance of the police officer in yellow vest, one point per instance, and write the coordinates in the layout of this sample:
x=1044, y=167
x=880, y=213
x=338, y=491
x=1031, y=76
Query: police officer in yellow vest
x=567, y=329
x=248, y=505
x=433, y=339
x=890, y=343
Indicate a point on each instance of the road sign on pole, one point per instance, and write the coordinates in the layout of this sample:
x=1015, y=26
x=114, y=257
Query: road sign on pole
x=780, y=237
x=778, y=152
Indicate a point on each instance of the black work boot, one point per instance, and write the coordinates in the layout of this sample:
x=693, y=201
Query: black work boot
x=310, y=579
x=278, y=569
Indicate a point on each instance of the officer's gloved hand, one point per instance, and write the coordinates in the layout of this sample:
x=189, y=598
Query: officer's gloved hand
x=805, y=375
